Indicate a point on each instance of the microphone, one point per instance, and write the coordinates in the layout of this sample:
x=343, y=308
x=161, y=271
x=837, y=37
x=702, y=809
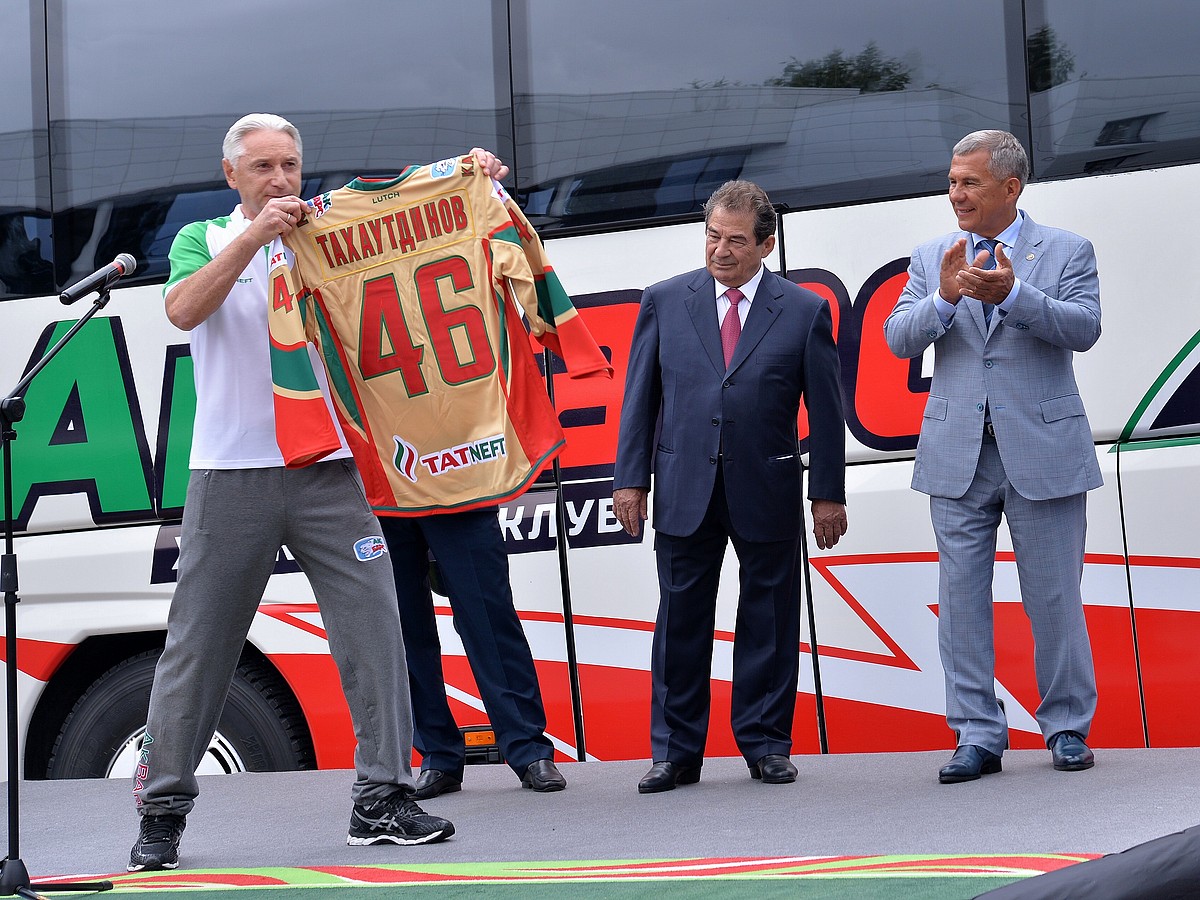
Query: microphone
x=100, y=280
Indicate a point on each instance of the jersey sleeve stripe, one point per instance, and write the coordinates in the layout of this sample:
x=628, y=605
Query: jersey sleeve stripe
x=291, y=370
x=340, y=381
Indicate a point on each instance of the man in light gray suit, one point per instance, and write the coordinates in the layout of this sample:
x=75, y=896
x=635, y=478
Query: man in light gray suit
x=1005, y=302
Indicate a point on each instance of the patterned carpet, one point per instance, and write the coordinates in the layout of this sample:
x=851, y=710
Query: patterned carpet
x=822, y=876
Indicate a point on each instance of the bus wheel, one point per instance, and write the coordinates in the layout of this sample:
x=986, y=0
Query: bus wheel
x=261, y=729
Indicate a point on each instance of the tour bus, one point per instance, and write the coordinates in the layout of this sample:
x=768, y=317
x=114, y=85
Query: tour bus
x=618, y=122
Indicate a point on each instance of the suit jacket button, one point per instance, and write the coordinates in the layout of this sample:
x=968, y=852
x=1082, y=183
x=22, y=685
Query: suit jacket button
x=987, y=363
x=712, y=460
x=726, y=384
x=716, y=421
x=979, y=406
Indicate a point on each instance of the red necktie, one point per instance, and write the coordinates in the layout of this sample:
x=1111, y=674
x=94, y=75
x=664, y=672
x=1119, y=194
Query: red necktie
x=731, y=327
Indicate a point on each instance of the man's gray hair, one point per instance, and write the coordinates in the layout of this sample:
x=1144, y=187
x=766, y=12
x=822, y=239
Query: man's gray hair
x=744, y=197
x=1006, y=156
x=231, y=147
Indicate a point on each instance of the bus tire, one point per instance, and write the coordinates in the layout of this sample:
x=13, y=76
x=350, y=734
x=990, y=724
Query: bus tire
x=261, y=729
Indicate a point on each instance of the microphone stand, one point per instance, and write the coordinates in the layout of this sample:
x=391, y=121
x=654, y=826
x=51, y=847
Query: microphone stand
x=14, y=877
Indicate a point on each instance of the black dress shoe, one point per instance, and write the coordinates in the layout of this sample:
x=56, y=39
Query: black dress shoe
x=543, y=776
x=432, y=782
x=968, y=763
x=1069, y=752
x=663, y=776
x=774, y=769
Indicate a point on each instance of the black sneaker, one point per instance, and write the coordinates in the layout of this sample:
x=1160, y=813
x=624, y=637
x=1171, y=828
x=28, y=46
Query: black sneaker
x=157, y=846
x=397, y=819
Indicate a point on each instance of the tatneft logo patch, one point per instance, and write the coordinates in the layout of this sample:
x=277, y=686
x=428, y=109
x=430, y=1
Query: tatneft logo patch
x=443, y=167
x=472, y=453
x=368, y=548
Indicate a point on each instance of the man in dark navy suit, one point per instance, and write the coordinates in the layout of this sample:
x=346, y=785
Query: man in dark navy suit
x=719, y=362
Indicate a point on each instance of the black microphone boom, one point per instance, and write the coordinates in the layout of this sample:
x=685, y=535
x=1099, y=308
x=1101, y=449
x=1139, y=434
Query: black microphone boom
x=100, y=280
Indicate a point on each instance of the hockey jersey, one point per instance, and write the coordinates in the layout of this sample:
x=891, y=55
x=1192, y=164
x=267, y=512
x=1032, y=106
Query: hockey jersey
x=418, y=292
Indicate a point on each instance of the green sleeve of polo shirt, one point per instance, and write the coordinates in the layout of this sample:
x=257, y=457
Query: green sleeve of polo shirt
x=190, y=250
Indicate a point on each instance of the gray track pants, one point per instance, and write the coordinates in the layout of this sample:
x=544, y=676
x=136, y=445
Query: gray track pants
x=234, y=522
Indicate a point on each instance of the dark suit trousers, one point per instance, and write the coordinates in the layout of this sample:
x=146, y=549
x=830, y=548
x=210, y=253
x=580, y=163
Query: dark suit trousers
x=469, y=550
x=766, y=654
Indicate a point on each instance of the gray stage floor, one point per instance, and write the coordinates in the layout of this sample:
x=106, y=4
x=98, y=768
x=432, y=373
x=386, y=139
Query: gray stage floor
x=842, y=804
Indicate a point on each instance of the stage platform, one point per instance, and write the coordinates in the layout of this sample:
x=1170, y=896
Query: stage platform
x=859, y=804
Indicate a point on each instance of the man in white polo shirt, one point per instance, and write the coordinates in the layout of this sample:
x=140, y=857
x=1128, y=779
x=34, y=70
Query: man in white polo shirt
x=243, y=505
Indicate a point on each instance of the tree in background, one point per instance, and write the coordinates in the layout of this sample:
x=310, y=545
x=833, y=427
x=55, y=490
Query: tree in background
x=1048, y=60
x=870, y=72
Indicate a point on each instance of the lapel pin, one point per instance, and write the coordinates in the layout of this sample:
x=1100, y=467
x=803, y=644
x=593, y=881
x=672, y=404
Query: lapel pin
x=1031, y=257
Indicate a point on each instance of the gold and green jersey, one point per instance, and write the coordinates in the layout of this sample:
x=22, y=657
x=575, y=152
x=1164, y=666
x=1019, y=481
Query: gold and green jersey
x=420, y=293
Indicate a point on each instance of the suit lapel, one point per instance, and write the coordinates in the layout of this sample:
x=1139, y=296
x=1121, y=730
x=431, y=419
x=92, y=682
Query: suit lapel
x=763, y=312
x=1027, y=252
x=702, y=307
